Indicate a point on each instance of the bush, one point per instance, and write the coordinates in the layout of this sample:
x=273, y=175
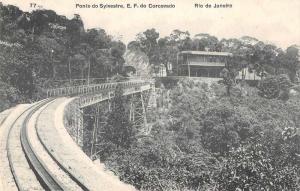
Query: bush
x=9, y=96
x=225, y=143
x=254, y=167
x=275, y=87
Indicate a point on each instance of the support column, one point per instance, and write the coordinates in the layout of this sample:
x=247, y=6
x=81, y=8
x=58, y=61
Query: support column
x=95, y=129
x=144, y=110
x=138, y=113
x=131, y=109
x=189, y=69
x=74, y=122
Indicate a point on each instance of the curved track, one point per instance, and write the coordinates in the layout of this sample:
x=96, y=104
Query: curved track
x=30, y=169
x=37, y=153
x=48, y=181
x=16, y=158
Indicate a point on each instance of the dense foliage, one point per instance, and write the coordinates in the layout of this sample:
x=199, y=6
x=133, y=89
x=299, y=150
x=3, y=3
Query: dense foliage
x=42, y=49
x=248, y=52
x=118, y=129
x=275, y=87
x=206, y=140
x=222, y=137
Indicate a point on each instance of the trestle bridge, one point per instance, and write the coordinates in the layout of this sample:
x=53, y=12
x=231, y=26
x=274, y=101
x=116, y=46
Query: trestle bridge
x=41, y=143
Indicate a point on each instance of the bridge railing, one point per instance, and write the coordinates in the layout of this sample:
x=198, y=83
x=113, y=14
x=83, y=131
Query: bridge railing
x=94, y=88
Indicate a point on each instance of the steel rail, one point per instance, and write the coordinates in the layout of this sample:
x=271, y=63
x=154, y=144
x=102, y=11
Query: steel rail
x=17, y=183
x=78, y=182
x=46, y=180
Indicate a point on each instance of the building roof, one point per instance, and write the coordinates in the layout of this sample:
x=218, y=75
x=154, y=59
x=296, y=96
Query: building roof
x=207, y=64
x=207, y=53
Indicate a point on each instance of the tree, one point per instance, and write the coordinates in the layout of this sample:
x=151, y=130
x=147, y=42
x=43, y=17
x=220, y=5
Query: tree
x=291, y=61
x=17, y=70
x=118, y=129
x=206, y=41
x=167, y=53
x=42, y=47
x=188, y=99
x=97, y=38
x=117, y=51
x=75, y=29
x=228, y=76
x=275, y=87
x=53, y=51
x=148, y=44
x=9, y=96
x=252, y=167
x=180, y=39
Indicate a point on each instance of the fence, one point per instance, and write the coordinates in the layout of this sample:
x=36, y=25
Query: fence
x=94, y=88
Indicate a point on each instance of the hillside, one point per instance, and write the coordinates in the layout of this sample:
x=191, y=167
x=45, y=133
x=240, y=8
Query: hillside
x=139, y=61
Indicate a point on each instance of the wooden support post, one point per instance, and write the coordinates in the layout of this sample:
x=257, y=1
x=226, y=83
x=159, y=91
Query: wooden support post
x=130, y=110
x=144, y=109
x=189, y=69
x=93, y=135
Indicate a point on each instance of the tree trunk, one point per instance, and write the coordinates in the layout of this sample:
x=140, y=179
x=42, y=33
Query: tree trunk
x=69, y=67
x=53, y=70
x=228, y=87
x=293, y=75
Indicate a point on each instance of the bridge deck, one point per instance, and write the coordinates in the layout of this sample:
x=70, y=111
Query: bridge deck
x=46, y=134
x=55, y=137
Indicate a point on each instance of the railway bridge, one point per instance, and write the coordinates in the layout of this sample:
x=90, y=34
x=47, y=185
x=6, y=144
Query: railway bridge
x=41, y=143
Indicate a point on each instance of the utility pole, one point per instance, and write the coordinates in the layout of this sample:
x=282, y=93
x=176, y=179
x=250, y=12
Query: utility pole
x=69, y=66
x=89, y=70
x=52, y=62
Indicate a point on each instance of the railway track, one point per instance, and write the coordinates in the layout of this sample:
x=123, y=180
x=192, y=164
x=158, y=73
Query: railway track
x=32, y=166
x=47, y=181
x=37, y=152
x=4, y=115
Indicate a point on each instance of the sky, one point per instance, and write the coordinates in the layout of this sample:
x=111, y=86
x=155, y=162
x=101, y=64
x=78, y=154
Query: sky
x=272, y=21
